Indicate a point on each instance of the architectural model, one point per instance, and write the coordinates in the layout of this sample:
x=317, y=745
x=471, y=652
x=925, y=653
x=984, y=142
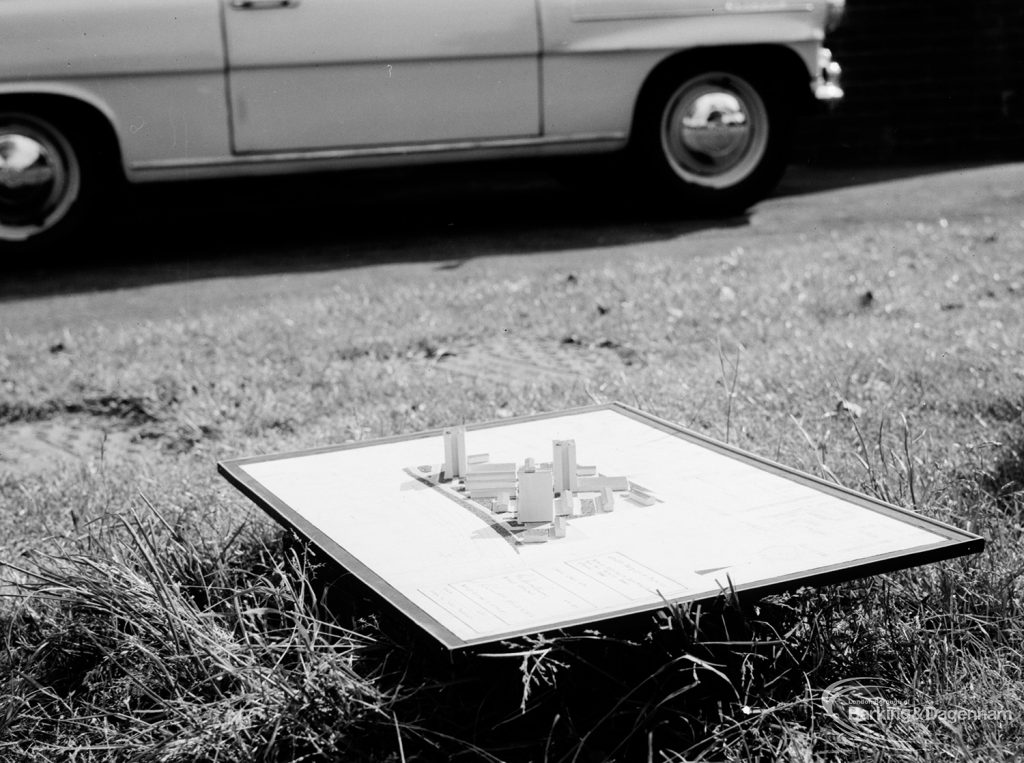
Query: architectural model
x=535, y=500
x=529, y=539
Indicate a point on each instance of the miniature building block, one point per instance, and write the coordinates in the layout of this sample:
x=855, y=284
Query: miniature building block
x=501, y=479
x=493, y=482
x=596, y=484
x=484, y=468
x=558, y=527
x=485, y=478
x=641, y=496
x=475, y=459
x=564, y=465
x=480, y=479
x=492, y=491
x=588, y=507
x=535, y=535
x=490, y=476
x=455, y=464
x=482, y=486
x=586, y=471
x=563, y=504
x=489, y=493
x=607, y=500
x=499, y=504
x=535, y=502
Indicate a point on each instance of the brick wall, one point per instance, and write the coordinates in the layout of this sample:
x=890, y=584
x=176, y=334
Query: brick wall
x=926, y=79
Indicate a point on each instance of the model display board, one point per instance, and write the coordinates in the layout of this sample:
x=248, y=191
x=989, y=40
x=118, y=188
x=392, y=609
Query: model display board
x=527, y=525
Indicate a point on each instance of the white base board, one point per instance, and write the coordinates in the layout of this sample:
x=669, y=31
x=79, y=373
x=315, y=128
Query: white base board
x=722, y=519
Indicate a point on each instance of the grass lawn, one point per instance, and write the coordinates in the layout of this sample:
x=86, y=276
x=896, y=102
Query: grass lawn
x=151, y=613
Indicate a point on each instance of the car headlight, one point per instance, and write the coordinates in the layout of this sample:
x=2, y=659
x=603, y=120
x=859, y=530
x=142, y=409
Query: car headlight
x=835, y=10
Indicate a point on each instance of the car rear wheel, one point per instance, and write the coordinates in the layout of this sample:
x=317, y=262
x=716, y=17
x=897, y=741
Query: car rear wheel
x=715, y=141
x=42, y=182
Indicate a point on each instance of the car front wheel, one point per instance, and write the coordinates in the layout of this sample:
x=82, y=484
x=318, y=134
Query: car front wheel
x=41, y=182
x=716, y=141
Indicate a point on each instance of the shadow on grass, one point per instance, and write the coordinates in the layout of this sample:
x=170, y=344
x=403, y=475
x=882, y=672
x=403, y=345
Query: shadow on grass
x=208, y=229
x=808, y=177
x=1005, y=482
x=180, y=232
x=251, y=647
x=625, y=689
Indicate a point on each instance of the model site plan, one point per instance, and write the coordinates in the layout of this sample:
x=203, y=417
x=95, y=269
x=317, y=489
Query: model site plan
x=528, y=525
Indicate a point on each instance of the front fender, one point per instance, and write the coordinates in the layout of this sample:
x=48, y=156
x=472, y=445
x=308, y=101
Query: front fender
x=154, y=69
x=599, y=53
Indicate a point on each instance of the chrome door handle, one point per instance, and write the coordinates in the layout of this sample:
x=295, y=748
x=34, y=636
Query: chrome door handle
x=262, y=5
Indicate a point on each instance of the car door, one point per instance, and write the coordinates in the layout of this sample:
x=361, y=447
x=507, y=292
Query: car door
x=322, y=74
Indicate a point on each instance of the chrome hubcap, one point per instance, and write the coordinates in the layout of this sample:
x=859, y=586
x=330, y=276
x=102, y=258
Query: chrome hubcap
x=715, y=130
x=39, y=180
x=715, y=126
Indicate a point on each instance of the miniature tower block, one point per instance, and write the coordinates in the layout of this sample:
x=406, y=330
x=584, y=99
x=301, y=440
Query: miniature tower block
x=455, y=462
x=563, y=465
x=535, y=502
x=558, y=527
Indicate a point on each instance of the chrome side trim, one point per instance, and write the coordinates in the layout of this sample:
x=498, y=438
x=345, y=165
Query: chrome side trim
x=663, y=10
x=768, y=6
x=371, y=152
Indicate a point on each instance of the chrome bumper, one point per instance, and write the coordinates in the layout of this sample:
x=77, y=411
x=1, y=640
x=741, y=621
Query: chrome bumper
x=827, y=85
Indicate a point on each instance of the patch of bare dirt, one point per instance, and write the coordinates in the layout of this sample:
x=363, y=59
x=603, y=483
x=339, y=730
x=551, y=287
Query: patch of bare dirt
x=41, y=445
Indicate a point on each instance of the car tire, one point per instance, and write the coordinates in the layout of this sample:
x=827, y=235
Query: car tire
x=47, y=183
x=713, y=141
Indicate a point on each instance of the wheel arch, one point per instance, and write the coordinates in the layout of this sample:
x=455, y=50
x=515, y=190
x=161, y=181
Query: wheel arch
x=755, y=61
x=86, y=113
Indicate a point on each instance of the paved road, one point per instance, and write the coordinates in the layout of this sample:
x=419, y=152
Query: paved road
x=183, y=249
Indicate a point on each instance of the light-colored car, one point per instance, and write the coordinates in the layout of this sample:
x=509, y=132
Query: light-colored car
x=702, y=93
